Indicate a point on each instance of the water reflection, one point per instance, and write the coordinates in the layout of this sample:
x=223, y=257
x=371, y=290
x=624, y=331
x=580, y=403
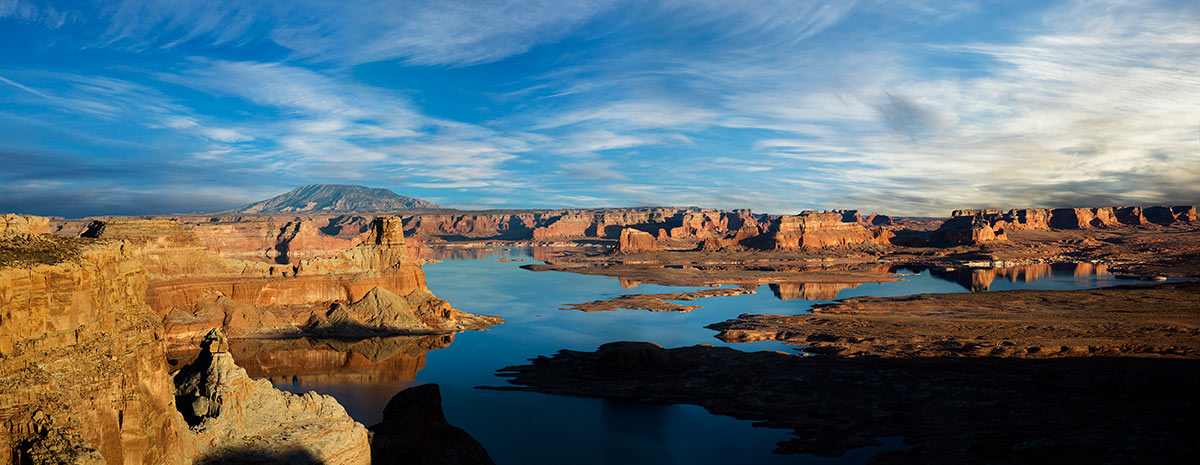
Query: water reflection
x=477, y=253
x=982, y=279
x=809, y=291
x=306, y=361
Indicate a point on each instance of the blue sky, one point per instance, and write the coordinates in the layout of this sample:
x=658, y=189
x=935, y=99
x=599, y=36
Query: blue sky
x=906, y=107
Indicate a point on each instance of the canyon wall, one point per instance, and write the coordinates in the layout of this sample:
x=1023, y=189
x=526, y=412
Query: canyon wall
x=84, y=368
x=292, y=240
x=986, y=225
x=193, y=290
x=83, y=374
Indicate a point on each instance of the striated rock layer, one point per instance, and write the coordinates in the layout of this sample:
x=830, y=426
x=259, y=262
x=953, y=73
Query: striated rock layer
x=633, y=241
x=193, y=290
x=814, y=230
x=83, y=376
x=979, y=226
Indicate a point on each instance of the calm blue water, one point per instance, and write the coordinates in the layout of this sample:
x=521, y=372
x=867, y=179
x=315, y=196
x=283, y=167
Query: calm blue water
x=532, y=428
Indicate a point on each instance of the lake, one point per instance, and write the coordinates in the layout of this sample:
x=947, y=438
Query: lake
x=534, y=428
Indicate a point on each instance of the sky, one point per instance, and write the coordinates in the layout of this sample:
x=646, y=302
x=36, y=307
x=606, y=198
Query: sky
x=911, y=107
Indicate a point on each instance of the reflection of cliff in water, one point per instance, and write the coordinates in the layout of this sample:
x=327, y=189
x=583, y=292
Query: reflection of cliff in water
x=981, y=279
x=379, y=360
x=477, y=253
x=810, y=291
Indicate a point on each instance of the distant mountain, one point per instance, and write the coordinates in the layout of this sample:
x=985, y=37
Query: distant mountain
x=336, y=198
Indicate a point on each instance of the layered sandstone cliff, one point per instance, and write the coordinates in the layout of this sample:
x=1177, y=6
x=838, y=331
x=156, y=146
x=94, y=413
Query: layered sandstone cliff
x=194, y=290
x=985, y=225
x=815, y=230
x=633, y=241
x=83, y=376
x=11, y=224
x=968, y=229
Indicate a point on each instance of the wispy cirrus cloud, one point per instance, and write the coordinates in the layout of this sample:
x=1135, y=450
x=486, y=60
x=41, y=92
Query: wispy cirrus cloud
x=904, y=107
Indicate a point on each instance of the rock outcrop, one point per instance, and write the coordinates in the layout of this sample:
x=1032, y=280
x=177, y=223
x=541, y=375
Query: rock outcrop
x=414, y=431
x=954, y=410
x=236, y=419
x=971, y=229
x=1058, y=218
x=633, y=241
x=815, y=230
x=382, y=312
x=83, y=376
x=194, y=290
x=11, y=224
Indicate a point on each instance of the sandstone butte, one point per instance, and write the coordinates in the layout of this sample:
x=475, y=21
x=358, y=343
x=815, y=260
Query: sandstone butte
x=84, y=375
x=633, y=241
x=988, y=225
x=813, y=230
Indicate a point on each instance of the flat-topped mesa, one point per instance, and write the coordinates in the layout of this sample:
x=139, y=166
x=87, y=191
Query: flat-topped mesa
x=235, y=417
x=633, y=241
x=277, y=241
x=485, y=225
x=812, y=230
x=972, y=229
x=163, y=246
x=11, y=224
x=679, y=223
x=1070, y=218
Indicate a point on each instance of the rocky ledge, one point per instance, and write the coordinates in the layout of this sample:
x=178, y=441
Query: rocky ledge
x=236, y=419
x=1141, y=321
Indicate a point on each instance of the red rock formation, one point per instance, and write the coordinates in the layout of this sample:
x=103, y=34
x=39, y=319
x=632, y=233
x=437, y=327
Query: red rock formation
x=969, y=229
x=876, y=219
x=1082, y=218
x=633, y=241
x=1185, y=213
x=193, y=290
x=83, y=369
x=1075, y=218
x=812, y=230
x=506, y=226
x=11, y=224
